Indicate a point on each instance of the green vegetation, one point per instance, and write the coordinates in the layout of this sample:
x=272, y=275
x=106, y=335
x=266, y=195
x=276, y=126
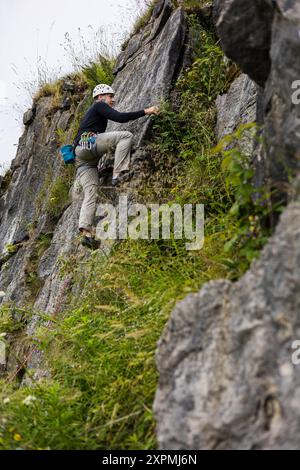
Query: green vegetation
x=5, y=182
x=193, y=5
x=59, y=193
x=52, y=89
x=99, y=71
x=61, y=136
x=250, y=216
x=56, y=90
x=54, y=195
x=100, y=348
x=143, y=19
x=8, y=321
x=33, y=281
x=11, y=248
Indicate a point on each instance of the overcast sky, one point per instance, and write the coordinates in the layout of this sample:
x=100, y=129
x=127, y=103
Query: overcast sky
x=32, y=36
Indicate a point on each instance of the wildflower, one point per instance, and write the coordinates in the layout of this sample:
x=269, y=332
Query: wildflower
x=17, y=437
x=28, y=400
x=6, y=400
x=2, y=294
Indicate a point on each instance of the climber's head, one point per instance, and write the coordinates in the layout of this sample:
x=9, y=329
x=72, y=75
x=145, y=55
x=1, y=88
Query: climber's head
x=104, y=93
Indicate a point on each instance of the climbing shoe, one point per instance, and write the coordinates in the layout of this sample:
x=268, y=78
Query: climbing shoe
x=122, y=177
x=90, y=242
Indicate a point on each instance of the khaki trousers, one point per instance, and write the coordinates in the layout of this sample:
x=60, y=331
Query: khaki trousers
x=87, y=175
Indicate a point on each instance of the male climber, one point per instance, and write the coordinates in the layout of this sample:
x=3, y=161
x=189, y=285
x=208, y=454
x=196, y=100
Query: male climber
x=91, y=142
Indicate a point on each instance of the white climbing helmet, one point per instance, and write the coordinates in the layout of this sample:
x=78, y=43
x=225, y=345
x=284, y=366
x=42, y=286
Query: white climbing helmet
x=102, y=89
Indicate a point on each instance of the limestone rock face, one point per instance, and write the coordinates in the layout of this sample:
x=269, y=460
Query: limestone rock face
x=236, y=107
x=144, y=73
x=227, y=380
x=146, y=69
x=282, y=112
x=29, y=116
x=242, y=104
x=35, y=166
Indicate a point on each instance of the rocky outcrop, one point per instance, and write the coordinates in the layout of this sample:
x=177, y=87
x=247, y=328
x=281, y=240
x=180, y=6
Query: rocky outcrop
x=237, y=107
x=241, y=105
x=36, y=165
x=227, y=380
x=262, y=36
x=245, y=31
x=29, y=116
x=282, y=115
x=147, y=68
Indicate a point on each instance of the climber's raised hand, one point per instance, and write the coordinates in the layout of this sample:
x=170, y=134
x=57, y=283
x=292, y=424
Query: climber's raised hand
x=152, y=110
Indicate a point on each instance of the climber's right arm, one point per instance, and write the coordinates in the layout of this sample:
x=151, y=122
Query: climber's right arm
x=109, y=113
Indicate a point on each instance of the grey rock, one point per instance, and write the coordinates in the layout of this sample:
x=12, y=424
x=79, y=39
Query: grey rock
x=69, y=85
x=161, y=20
x=158, y=8
x=236, y=107
x=155, y=65
x=263, y=38
x=245, y=31
x=66, y=103
x=282, y=116
x=227, y=380
x=242, y=105
x=146, y=35
x=29, y=116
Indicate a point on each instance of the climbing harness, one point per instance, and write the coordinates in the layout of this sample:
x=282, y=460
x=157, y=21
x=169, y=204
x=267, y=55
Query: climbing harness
x=87, y=140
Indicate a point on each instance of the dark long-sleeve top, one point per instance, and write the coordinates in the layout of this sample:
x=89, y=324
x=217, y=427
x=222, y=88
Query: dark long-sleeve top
x=95, y=119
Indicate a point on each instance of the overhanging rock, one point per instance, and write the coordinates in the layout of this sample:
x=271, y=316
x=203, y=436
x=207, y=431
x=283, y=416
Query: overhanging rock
x=244, y=28
x=262, y=36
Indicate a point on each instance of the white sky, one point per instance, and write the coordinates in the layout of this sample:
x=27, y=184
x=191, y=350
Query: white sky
x=33, y=28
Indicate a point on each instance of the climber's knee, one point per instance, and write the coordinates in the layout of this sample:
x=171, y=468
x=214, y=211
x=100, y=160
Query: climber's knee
x=128, y=134
x=91, y=192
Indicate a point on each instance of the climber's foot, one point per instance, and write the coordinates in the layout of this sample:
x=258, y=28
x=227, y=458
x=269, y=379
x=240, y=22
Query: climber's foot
x=115, y=181
x=90, y=242
x=87, y=232
x=123, y=176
